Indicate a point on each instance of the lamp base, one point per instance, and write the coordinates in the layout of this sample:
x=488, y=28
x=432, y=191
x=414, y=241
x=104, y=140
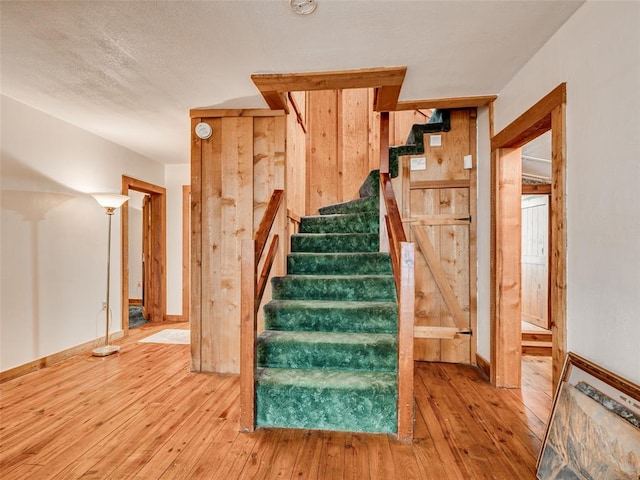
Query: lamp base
x=106, y=350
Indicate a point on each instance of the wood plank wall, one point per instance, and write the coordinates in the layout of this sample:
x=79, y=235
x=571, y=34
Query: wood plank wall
x=233, y=175
x=296, y=160
x=344, y=143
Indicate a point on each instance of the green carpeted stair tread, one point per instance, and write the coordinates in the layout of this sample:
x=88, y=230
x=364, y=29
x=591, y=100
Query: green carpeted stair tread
x=367, y=222
x=335, y=242
x=371, y=185
x=355, y=263
x=359, y=205
x=346, y=400
x=334, y=287
x=331, y=316
x=323, y=350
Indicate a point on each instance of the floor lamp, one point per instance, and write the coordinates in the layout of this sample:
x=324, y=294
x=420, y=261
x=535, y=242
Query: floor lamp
x=111, y=202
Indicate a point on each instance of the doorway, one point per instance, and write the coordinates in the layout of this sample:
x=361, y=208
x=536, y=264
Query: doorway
x=506, y=185
x=154, y=237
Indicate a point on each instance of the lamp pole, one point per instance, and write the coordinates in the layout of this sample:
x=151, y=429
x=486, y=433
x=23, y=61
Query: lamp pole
x=110, y=204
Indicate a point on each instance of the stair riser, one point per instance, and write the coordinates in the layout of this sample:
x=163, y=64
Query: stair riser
x=346, y=319
x=362, y=288
x=372, y=410
x=339, y=264
x=354, y=223
x=380, y=356
x=334, y=243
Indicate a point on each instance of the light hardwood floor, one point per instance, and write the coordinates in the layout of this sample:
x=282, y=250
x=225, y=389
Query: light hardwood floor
x=143, y=415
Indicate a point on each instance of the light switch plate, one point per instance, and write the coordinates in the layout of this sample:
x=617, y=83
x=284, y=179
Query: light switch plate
x=435, y=140
x=468, y=162
x=419, y=163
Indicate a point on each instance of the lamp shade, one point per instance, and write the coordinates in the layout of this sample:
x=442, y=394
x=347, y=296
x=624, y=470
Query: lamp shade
x=110, y=200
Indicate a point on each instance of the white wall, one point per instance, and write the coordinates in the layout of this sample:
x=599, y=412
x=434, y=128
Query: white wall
x=175, y=177
x=597, y=52
x=483, y=240
x=53, y=237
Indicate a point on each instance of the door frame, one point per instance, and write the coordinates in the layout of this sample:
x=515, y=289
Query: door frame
x=158, y=292
x=506, y=190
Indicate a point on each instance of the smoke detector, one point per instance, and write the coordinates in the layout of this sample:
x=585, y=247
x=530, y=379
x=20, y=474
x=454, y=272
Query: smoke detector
x=303, y=7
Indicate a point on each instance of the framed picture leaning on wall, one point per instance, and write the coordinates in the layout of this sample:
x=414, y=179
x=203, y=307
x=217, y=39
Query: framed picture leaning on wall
x=594, y=427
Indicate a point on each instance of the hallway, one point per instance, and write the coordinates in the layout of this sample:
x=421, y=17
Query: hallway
x=143, y=414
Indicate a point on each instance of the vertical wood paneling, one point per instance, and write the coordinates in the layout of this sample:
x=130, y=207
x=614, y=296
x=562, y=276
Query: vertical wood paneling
x=269, y=174
x=296, y=159
x=354, y=133
x=235, y=224
x=212, y=312
x=450, y=244
x=195, y=304
x=233, y=175
x=322, y=156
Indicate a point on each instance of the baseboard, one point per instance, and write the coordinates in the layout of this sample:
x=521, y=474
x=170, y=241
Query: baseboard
x=49, y=360
x=175, y=318
x=483, y=365
x=135, y=301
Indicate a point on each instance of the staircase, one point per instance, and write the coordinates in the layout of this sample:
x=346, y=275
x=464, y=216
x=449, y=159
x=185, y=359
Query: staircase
x=328, y=356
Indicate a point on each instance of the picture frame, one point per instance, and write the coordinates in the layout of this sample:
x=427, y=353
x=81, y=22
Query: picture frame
x=593, y=431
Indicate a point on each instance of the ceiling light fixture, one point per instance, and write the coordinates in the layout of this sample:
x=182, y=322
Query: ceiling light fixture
x=303, y=7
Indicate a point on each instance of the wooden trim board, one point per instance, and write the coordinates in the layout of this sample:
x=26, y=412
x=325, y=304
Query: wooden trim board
x=452, y=102
x=49, y=360
x=158, y=301
x=387, y=82
x=547, y=114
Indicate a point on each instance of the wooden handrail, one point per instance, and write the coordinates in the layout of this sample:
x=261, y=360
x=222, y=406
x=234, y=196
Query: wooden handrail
x=252, y=288
x=269, y=216
x=403, y=262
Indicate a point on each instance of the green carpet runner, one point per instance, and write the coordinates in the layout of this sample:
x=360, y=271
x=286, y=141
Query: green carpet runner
x=328, y=356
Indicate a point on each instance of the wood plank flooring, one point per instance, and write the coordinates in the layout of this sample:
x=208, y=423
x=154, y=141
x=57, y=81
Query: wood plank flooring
x=143, y=415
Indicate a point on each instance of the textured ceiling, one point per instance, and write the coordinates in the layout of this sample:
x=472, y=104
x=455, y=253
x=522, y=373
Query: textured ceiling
x=130, y=71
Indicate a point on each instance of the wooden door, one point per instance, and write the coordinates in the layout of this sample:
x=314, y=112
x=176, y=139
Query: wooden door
x=440, y=215
x=146, y=255
x=535, y=260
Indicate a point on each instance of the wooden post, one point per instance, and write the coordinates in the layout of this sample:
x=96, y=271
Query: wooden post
x=247, y=336
x=558, y=263
x=405, y=342
x=506, y=313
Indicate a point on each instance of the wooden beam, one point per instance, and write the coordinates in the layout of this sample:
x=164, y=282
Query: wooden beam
x=235, y=112
x=386, y=98
x=558, y=261
x=506, y=255
x=329, y=80
x=536, y=189
x=406, y=310
x=386, y=80
x=438, y=219
x=451, y=102
x=439, y=332
x=247, y=335
x=531, y=123
x=423, y=184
